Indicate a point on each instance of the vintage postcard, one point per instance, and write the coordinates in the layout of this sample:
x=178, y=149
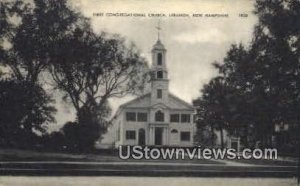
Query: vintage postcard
x=96, y=92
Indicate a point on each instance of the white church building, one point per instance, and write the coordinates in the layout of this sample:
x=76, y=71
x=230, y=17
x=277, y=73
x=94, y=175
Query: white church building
x=157, y=118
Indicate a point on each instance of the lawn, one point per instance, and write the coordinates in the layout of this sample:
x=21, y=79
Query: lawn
x=27, y=155
x=26, y=162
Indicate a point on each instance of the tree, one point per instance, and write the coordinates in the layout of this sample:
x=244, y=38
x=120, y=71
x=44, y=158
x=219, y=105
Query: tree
x=4, y=26
x=54, y=141
x=91, y=68
x=279, y=25
x=41, y=24
x=24, y=110
x=264, y=77
x=238, y=71
x=29, y=30
x=216, y=106
x=276, y=53
x=205, y=135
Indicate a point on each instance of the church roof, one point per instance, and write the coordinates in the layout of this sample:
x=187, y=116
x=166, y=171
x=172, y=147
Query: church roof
x=139, y=102
x=158, y=45
x=145, y=102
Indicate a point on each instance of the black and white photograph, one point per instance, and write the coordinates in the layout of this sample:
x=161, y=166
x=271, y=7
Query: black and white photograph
x=98, y=92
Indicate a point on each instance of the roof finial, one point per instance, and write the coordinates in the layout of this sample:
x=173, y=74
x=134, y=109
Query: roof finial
x=158, y=30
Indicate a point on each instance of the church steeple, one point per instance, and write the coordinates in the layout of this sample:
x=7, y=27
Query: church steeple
x=158, y=30
x=159, y=79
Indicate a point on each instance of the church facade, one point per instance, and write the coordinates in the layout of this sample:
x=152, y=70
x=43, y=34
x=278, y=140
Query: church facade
x=157, y=118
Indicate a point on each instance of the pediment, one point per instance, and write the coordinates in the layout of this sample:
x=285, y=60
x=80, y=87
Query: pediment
x=160, y=106
x=139, y=102
x=145, y=102
x=177, y=103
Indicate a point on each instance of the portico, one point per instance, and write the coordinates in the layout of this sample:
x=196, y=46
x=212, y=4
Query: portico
x=158, y=134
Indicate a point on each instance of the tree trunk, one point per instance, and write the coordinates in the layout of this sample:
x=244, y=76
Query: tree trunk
x=246, y=134
x=212, y=136
x=222, y=138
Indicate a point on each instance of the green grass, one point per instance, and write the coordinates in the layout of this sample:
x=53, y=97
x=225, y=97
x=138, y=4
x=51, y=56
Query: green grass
x=28, y=155
x=267, y=162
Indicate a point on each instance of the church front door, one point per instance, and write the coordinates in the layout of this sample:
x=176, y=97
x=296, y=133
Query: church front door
x=158, y=140
x=142, y=137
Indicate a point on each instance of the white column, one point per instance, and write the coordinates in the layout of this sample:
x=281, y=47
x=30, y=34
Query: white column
x=238, y=144
x=167, y=135
x=164, y=136
x=151, y=135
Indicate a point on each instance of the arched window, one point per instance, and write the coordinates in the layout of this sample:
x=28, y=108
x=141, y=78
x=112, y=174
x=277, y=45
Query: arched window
x=174, y=131
x=159, y=74
x=159, y=59
x=159, y=116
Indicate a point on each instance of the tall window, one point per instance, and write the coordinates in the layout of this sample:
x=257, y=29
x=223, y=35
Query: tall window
x=185, y=136
x=174, y=118
x=130, y=116
x=159, y=74
x=159, y=116
x=142, y=117
x=159, y=59
x=185, y=118
x=159, y=93
x=130, y=134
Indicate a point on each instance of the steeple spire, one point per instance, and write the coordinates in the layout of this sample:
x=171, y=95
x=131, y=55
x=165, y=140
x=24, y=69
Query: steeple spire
x=158, y=30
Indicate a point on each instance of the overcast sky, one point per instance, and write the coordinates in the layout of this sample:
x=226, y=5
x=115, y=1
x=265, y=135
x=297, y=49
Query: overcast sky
x=192, y=44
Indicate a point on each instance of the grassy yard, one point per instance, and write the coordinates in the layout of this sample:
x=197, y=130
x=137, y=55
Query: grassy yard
x=26, y=162
x=266, y=162
x=29, y=155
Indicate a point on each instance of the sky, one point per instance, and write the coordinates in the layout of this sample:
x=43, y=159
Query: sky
x=192, y=43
